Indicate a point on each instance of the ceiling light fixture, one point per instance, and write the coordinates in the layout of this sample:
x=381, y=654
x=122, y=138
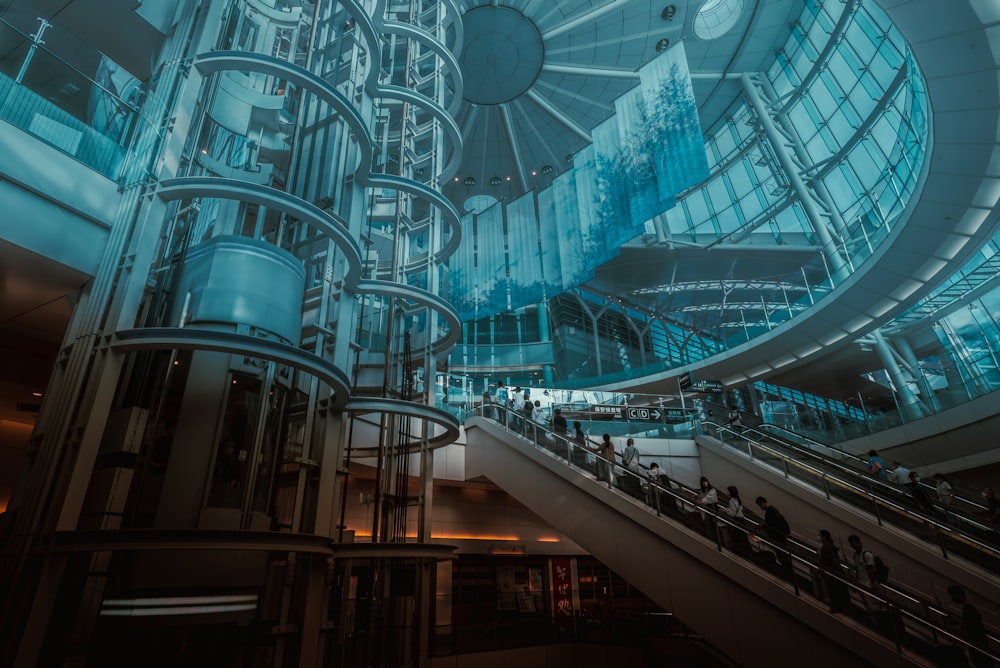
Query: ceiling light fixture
x=663, y=45
x=669, y=12
x=469, y=180
x=495, y=180
x=546, y=169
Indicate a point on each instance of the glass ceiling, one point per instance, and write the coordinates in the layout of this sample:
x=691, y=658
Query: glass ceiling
x=810, y=170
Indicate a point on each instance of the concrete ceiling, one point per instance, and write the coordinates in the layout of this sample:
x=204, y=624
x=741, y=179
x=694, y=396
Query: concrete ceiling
x=36, y=297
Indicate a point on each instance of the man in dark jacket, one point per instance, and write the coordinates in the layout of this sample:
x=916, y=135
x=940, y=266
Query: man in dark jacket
x=777, y=529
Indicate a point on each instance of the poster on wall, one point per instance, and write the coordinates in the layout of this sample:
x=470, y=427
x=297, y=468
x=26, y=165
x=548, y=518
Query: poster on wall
x=506, y=587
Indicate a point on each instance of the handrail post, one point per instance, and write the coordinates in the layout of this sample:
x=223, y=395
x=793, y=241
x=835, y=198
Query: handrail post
x=896, y=632
x=940, y=537
x=878, y=514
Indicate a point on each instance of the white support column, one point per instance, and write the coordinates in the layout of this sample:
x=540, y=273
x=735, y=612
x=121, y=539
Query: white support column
x=813, y=214
x=909, y=402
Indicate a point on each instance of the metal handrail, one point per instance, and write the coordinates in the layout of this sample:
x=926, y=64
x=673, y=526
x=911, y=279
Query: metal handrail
x=883, y=597
x=941, y=529
x=772, y=429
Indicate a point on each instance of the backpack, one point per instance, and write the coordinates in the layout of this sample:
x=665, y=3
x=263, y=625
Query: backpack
x=881, y=570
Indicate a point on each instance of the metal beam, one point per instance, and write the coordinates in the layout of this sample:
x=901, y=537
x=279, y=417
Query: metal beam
x=514, y=148
x=584, y=18
x=559, y=116
x=587, y=71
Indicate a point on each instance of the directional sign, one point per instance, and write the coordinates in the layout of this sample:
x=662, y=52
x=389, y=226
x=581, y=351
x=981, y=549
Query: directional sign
x=644, y=414
x=708, y=386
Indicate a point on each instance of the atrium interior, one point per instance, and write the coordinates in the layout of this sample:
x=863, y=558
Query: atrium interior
x=270, y=271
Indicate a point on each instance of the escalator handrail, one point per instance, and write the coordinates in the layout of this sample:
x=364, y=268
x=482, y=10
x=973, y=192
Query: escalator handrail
x=721, y=518
x=871, y=482
x=969, y=501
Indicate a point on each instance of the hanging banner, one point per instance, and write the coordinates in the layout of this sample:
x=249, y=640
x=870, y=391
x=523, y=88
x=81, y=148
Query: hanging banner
x=639, y=160
x=565, y=588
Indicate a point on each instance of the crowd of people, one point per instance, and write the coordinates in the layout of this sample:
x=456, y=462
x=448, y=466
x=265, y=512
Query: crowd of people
x=944, y=497
x=702, y=509
x=862, y=566
x=705, y=509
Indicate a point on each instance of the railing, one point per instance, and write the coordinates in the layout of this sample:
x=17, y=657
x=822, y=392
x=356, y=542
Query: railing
x=967, y=501
x=951, y=531
x=889, y=608
x=83, y=118
x=968, y=379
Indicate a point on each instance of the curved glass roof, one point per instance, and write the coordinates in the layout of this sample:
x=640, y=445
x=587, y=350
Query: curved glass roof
x=815, y=129
x=717, y=17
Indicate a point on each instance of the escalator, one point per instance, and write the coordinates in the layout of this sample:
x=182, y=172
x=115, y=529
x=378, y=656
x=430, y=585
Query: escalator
x=829, y=490
x=730, y=589
x=959, y=529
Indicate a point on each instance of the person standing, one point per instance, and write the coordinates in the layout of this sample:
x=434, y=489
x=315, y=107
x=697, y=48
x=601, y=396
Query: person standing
x=537, y=413
x=838, y=595
x=708, y=500
x=502, y=398
x=517, y=401
x=581, y=452
x=735, y=421
x=944, y=491
x=972, y=627
x=867, y=579
x=488, y=405
x=657, y=479
x=876, y=465
x=734, y=537
x=900, y=474
x=559, y=422
x=527, y=408
x=735, y=507
x=630, y=460
x=777, y=529
x=606, y=465
x=921, y=499
x=864, y=564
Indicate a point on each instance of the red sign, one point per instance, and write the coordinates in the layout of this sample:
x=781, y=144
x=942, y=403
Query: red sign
x=563, y=586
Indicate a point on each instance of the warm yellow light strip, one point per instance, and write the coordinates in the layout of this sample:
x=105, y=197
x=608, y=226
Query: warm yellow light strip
x=446, y=536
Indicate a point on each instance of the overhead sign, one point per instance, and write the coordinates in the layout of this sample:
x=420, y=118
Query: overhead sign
x=606, y=409
x=707, y=386
x=643, y=413
x=657, y=414
x=678, y=414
